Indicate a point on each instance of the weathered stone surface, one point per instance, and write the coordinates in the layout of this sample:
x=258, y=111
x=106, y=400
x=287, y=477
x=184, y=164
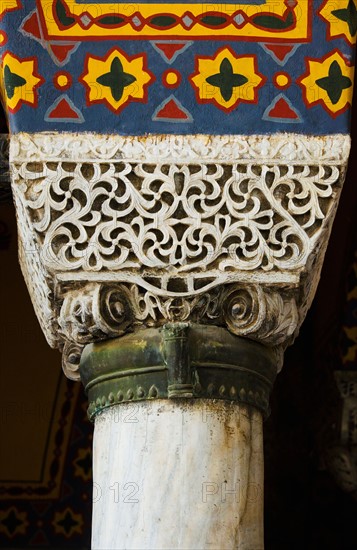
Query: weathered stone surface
x=183, y=475
x=121, y=232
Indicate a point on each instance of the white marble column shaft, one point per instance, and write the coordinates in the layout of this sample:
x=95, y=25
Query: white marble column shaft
x=178, y=475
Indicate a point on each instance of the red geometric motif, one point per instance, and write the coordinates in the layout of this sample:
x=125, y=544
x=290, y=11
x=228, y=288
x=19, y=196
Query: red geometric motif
x=282, y=109
x=171, y=110
x=170, y=49
x=62, y=52
x=62, y=109
x=32, y=26
x=280, y=51
x=39, y=539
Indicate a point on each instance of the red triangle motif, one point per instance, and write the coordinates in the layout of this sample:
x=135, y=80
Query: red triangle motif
x=32, y=27
x=66, y=491
x=62, y=51
x=39, y=539
x=63, y=110
x=40, y=507
x=172, y=111
x=169, y=48
x=282, y=109
x=280, y=50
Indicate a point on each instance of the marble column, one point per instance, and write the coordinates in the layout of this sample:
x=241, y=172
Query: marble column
x=178, y=441
x=178, y=475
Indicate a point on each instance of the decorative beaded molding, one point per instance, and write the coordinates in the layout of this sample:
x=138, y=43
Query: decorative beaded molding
x=127, y=231
x=179, y=360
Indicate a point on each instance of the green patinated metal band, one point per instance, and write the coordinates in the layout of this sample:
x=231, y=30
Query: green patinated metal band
x=179, y=360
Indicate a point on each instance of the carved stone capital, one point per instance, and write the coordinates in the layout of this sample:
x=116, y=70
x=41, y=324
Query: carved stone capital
x=122, y=233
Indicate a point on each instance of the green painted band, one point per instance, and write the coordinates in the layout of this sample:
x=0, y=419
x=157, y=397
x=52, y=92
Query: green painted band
x=177, y=361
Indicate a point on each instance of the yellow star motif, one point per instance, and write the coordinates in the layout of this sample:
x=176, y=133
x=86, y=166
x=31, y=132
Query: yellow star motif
x=9, y=5
x=226, y=79
x=68, y=523
x=351, y=333
x=19, y=81
x=328, y=81
x=116, y=79
x=17, y=518
x=341, y=17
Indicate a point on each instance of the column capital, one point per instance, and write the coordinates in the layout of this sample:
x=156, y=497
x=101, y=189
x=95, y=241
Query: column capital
x=120, y=233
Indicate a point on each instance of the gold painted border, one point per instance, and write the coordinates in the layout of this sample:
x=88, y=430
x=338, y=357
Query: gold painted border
x=249, y=32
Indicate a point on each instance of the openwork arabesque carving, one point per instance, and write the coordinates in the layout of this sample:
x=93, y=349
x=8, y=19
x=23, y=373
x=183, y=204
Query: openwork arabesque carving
x=123, y=240
x=181, y=218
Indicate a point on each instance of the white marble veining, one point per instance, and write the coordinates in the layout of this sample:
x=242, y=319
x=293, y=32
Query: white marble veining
x=178, y=475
